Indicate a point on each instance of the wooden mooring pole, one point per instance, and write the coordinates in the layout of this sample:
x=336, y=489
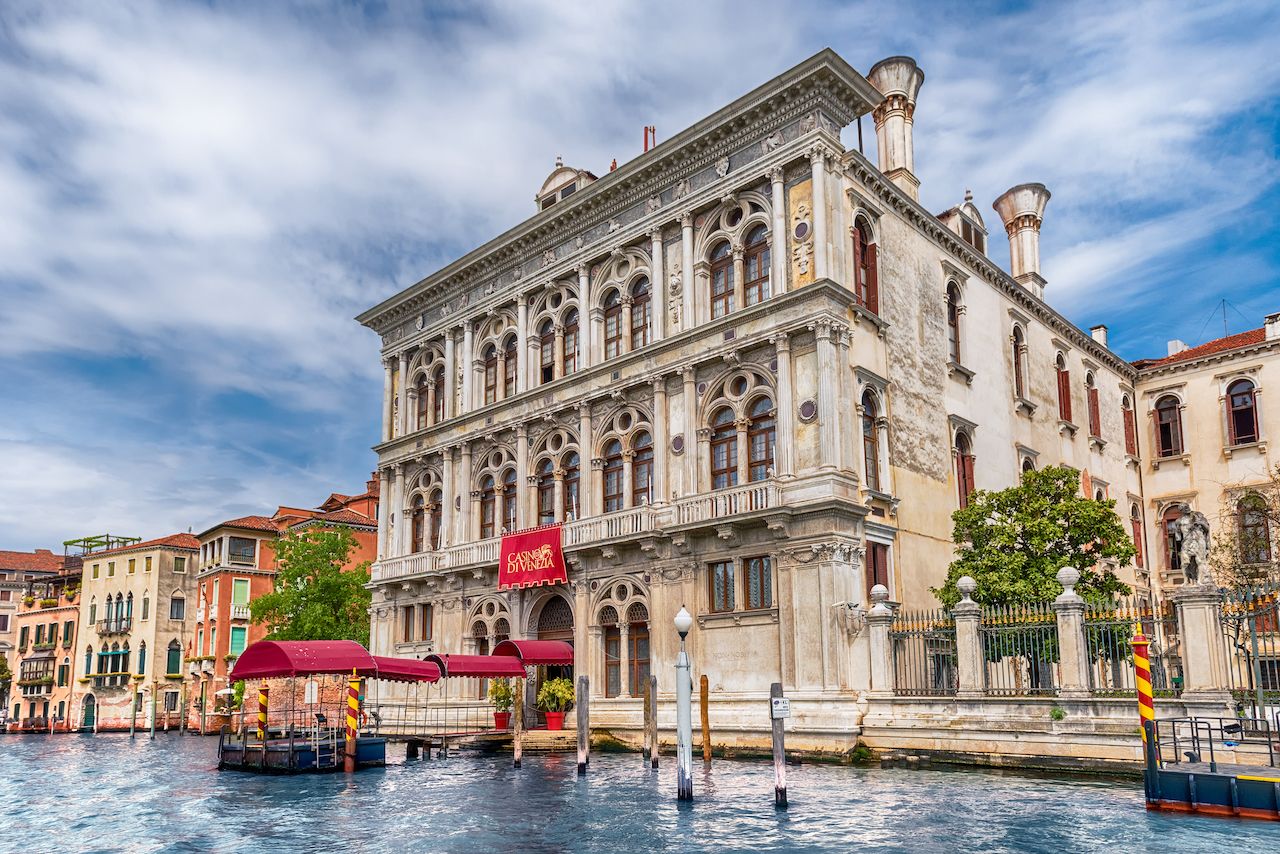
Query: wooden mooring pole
x=653, y=722
x=133, y=711
x=778, y=712
x=517, y=724
x=583, y=700
x=703, y=691
x=645, y=746
x=353, y=723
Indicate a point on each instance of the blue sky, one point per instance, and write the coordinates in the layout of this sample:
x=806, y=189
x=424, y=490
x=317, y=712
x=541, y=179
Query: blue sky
x=196, y=198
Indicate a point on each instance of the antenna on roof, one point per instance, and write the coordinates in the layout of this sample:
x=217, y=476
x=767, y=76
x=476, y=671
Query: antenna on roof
x=650, y=137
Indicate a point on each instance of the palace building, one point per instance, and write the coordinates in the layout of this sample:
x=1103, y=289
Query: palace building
x=746, y=372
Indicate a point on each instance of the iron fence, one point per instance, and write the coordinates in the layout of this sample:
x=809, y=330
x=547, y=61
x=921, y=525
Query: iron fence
x=1108, y=633
x=1251, y=629
x=924, y=654
x=1020, y=650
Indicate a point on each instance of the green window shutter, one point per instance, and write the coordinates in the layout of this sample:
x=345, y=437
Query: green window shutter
x=240, y=591
x=237, y=639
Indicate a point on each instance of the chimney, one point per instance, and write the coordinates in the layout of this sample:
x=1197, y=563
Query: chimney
x=1273, y=326
x=1176, y=346
x=898, y=78
x=1021, y=208
x=1099, y=333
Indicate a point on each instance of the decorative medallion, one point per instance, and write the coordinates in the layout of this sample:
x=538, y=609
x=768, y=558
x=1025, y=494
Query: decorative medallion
x=808, y=410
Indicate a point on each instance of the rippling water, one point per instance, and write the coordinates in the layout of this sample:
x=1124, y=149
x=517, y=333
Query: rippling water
x=81, y=793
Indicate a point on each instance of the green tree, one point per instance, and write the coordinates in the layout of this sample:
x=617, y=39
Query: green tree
x=6, y=677
x=314, y=599
x=1014, y=541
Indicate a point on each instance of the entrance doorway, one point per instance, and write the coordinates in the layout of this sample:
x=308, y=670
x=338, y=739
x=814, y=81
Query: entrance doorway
x=90, y=712
x=555, y=622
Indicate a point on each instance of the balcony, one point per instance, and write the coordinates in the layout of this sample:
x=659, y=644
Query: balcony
x=213, y=611
x=239, y=612
x=200, y=614
x=723, y=503
x=119, y=626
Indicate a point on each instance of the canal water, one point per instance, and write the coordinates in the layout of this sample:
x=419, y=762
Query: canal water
x=108, y=793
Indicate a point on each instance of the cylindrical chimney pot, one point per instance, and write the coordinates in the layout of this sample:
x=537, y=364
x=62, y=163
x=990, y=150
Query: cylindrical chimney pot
x=1021, y=209
x=899, y=79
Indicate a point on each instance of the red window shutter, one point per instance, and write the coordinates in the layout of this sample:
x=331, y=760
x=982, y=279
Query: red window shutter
x=873, y=280
x=1095, y=417
x=1137, y=541
x=1064, y=395
x=966, y=464
x=1231, y=422
x=1130, y=435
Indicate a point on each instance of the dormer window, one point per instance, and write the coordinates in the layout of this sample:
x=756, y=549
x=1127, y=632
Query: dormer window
x=562, y=183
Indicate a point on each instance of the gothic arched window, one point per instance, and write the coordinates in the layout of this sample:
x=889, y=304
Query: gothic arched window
x=1242, y=413
x=756, y=266
x=721, y=280
x=612, y=325
x=642, y=469
x=488, y=500
x=870, y=441
x=724, y=449
x=761, y=432
x=866, y=288
x=640, y=304
x=613, y=476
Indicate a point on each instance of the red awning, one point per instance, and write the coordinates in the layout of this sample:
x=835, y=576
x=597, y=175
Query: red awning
x=536, y=651
x=483, y=666
x=406, y=669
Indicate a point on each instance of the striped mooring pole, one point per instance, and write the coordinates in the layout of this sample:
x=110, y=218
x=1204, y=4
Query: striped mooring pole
x=1142, y=678
x=263, y=691
x=353, y=721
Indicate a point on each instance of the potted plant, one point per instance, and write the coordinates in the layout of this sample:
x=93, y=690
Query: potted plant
x=554, y=698
x=502, y=697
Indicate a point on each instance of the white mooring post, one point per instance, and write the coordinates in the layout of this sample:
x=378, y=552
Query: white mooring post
x=653, y=722
x=584, y=723
x=684, y=712
x=779, y=711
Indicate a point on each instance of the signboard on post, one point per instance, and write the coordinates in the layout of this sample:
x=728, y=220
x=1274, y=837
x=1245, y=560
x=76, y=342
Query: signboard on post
x=531, y=558
x=780, y=707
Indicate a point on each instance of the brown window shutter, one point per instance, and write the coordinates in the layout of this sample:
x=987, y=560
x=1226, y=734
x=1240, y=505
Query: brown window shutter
x=1064, y=395
x=1095, y=417
x=873, y=280
x=1130, y=434
x=1137, y=541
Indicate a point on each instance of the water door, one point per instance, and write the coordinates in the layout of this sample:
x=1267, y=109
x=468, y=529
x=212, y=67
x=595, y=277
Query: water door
x=90, y=712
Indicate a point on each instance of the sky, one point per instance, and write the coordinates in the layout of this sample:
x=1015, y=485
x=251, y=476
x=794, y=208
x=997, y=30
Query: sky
x=196, y=198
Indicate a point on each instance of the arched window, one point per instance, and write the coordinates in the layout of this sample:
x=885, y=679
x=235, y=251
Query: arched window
x=721, y=280
x=490, y=374
x=953, y=323
x=173, y=658
x=509, y=500
x=612, y=651
x=761, y=433
x=724, y=449
x=870, y=441
x=419, y=521
x=1135, y=528
x=1019, y=375
x=424, y=400
x=546, y=492
x=1064, y=388
x=1255, y=532
x=866, y=288
x=88, y=660
x=638, y=647
x=1168, y=426
x=435, y=507
x=964, y=468
x=641, y=469
x=437, y=382
x=1028, y=464
x=571, y=469
x=1242, y=413
x=571, y=341
x=1095, y=413
x=640, y=304
x=613, y=476
x=142, y=658
x=1172, y=546
x=756, y=266
x=612, y=325
x=1130, y=427
x=547, y=351
x=128, y=607
x=123, y=666
x=510, y=366
x=488, y=498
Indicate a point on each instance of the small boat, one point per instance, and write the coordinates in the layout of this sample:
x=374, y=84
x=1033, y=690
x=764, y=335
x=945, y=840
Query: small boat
x=1215, y=766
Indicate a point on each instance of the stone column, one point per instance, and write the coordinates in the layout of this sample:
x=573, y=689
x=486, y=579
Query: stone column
x=826, y=394
x=688, y=313
x=1204, y=660
x=468, y=368
x=702, y=460
x=744, y=452
x=431, y=405
x=384, y=503
x=624, y=678
x=450, y=375
x=586, y=463
x=558, y=474
x=846, y=391
x=687, y=376
x=628, y=458
x=739, y=274
x=658, y=284
x=523, y=518
x=386, y=398
x=1073, y=657
x=559, y=346
x=403, y=426
x=970, y=669
x=785, y=438
x=464, y=492
x=661, y=443
x=778, y=235
x=627, y=316
x=397, y=511
x=586, y=319
x=879, y=621
x=522, y=343
x=411, y=409
x=818, y=164
x=448, y=489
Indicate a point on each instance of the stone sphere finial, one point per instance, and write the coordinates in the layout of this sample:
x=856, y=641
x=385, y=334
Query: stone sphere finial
x=879, y=594
x=966, y=585
x=1067, y=577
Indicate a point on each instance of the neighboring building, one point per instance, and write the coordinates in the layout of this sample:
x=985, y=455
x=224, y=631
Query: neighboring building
x=237, y=564
x=752, y=376
x=1205, y=426
x=45, y=628
x=17, y=571
x=135, y=607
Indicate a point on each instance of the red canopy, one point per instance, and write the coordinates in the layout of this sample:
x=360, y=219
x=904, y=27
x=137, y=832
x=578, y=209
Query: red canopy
x=268, y=659
x=536, y=651
x=406, y=669
x=483, y=666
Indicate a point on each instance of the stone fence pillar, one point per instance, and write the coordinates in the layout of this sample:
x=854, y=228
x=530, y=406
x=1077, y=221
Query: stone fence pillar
x=1204, y=660
x=971, y=680
x=1073, y=655
x=879, y=621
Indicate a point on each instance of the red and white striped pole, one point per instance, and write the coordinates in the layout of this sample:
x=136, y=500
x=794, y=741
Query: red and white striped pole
x=1142, y=678
x=353, y=721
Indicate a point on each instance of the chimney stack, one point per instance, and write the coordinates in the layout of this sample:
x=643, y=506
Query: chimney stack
x=1021, y=208
x=1272, y=325
x=898, y=78
x=1176, y=346
x=1099, y=333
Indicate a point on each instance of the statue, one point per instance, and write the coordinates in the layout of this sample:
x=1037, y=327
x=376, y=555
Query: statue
x=1191, y=533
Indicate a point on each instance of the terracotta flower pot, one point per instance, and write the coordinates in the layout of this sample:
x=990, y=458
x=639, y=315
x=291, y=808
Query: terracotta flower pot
x=502, y=720
x=555, y=720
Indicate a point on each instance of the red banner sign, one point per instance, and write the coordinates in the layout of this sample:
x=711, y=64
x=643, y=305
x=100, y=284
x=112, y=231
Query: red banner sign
x=530, y=558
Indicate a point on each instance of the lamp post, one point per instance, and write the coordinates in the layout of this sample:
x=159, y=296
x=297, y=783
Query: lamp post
x=684, y=713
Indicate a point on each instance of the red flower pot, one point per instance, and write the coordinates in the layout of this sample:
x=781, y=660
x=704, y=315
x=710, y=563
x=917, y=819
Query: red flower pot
x=502, y=720
x=555, y=720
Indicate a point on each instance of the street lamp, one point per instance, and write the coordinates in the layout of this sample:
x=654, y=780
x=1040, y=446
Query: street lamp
x=684, y=714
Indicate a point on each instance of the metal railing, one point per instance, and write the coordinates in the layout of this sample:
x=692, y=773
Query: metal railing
x=115, y=626
x=1020, y=650
x=1108, y=633
x=1250, y=618
x=923, y=645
